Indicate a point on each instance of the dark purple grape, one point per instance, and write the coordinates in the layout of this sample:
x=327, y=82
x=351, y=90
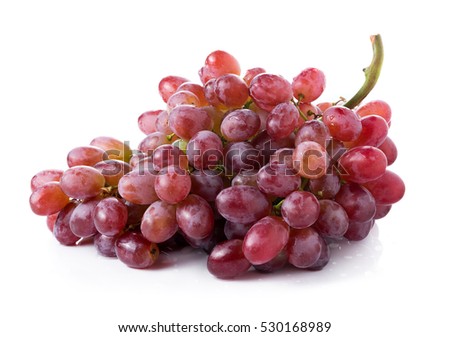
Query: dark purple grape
x=267, y=146
x=105, y=245
x=358, y=230
x=324, y=257
x=61, y=228
x=195, y=217
x=304, y=247
x=246, y=178
x=381, y=211
x=110, y=216
x=277, y=180
x=325, y=187
x=357, y=201
x=168, y=154
x=227, y=260
x=239, y=157
x=234, y=230
x=207, y=184
x=332, y=221
x=300, y=209
x=136, y=251
x=82, y=218
x=242, y=204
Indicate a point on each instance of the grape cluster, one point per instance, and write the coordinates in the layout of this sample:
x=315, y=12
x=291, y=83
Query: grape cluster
x=246, y=168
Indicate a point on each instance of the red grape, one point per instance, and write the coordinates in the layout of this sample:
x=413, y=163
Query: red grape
x=168, y=154
x=277, y=263
x=382, y=211
x=114, y=148
x=265, y=240
x=324, y=257
x=358, y=230
x=207, y=184
x=373, y=133
x=342, y=123
x=146, y=121
x=308, y=85
x=110, y=216
x=325, y=187
x=43, y=177
x=82, y=182
x=277, y=180
x=162, y=123
x=251, y=73
x=333, y=220
x=204, y=150
x=182, y=98
x=387, y=189
x=61, y=229
x=172, y=184
x=112, y=170
x=51, y=219
x=138, y=187
x=85, y=155
x=300, y=209
x=357, y=201
x=362, y=164
x=227, y=260
x=304, y=247
x=151, y=142
x=48, y=199
x=185, y=121
x=378, y=108
x=242, y=204
x=268, y=90
x=231, y=91
x=168, y=85
x=234, y=230
x=82, y=219
x=219, y=63
x=136, y=251
x=195, y=217
x=389, y=149
x=239, y=157
x=197, y=90
x=247, y=177
x=159, y=222
x=282, y=121
x=105, y=245
x=310, y=160
x=315, y=131
x=240, y=125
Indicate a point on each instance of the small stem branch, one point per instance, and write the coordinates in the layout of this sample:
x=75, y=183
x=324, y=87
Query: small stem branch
x=372, y=72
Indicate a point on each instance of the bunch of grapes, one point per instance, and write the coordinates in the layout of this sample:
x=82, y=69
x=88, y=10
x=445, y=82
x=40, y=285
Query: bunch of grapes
x=247, y=168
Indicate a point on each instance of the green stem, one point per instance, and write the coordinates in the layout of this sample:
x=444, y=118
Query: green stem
x=302, y=115
x=305, y=182
x=372, y=72
x=277, y=207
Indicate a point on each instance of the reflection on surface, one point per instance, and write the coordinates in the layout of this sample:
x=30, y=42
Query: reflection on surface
x=348, y=260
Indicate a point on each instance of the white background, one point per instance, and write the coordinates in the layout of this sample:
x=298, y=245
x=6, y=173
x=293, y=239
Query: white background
x=74, y=70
